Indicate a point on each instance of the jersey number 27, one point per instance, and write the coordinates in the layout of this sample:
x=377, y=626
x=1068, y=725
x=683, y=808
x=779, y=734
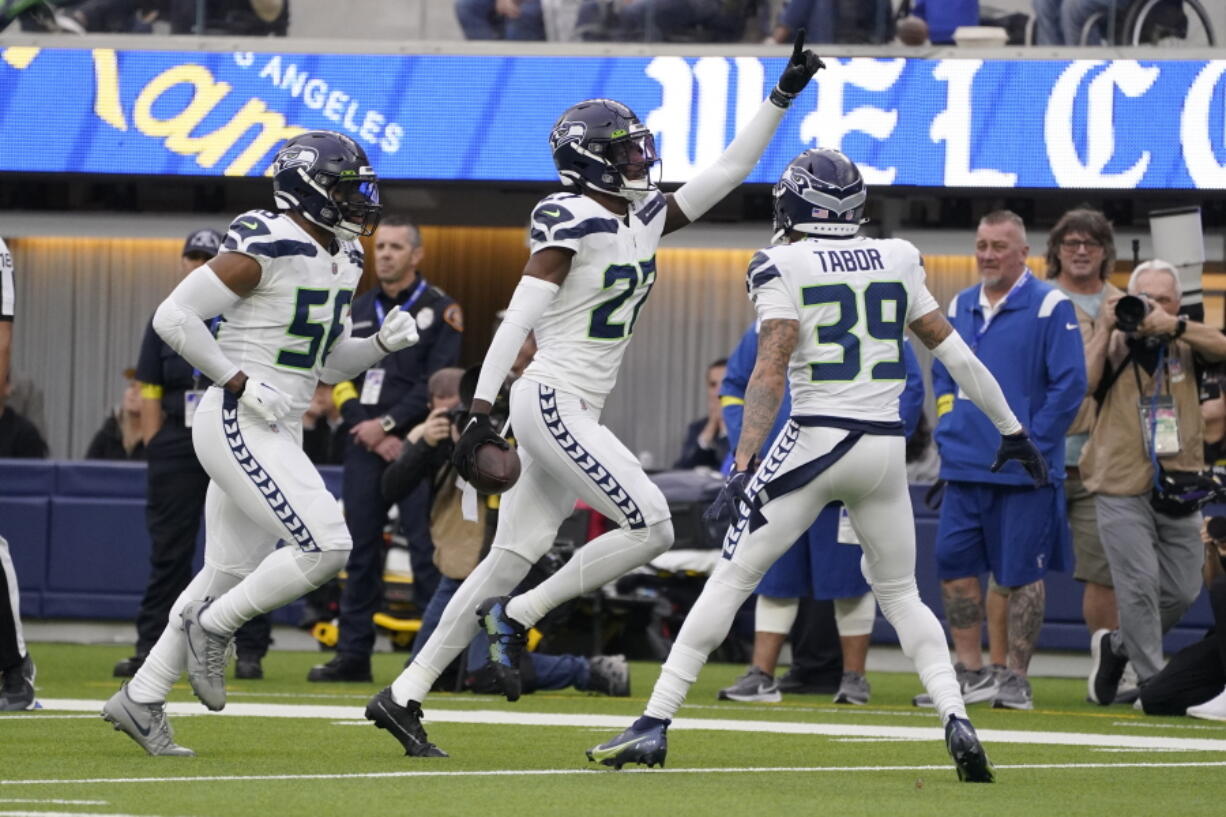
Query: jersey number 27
x=639, y=280
x=880, y=327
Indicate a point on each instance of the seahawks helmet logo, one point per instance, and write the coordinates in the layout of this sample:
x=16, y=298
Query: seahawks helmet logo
x=567, y=132
x=296, y=156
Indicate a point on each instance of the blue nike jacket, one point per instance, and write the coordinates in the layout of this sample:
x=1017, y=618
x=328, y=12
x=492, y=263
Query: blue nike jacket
x=1033, y=348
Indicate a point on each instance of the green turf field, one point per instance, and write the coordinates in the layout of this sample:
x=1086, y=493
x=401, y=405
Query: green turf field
x=805, y=756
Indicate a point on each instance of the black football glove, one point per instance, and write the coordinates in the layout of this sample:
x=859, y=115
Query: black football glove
x=727, y=504
x=1020, y=447
x=477, y=432
x=801, y=68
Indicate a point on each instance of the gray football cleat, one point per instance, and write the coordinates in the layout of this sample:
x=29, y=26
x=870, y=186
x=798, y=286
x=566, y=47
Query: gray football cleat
x=754, y=686
x=207, y=654
x=17, y=688
x=854, y=689
x=144, y=723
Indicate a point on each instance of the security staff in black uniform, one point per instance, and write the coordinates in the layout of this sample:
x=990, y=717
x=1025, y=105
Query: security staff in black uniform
x=379, y=408
x=170, y=390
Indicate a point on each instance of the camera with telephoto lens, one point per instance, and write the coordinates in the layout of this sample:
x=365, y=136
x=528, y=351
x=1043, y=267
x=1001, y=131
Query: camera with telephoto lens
x=456, y=416
x=1130, y=311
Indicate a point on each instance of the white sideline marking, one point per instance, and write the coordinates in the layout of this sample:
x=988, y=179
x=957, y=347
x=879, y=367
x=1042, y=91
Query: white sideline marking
x=230, y=778
x=618, y=722
x=53, y=800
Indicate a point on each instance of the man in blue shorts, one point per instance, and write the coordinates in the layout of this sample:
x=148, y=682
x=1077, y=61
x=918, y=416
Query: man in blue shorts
x=824, y=565
x=1026, y=333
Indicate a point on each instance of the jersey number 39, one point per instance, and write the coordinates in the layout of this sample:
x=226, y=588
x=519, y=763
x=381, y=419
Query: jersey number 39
x=879, y=325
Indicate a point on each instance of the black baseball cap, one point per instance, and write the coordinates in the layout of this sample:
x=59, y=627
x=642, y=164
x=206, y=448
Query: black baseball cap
x=204, y=242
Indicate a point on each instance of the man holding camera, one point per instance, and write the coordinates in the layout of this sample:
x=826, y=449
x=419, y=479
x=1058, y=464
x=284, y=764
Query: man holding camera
x=1143, y=462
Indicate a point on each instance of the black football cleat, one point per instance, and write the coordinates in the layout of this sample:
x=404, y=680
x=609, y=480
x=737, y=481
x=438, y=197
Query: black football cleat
x=506, y=638
x=966, y=750
x=646, y=744
x=403, y=722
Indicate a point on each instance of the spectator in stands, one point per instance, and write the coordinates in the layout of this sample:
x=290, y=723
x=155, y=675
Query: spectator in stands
x=944, y=17
x=19, y=438
x=1060, y=22
x=1144, y=467
x=462, y=538
x=127, y=16
x=16, y=666
x=1194, y=681
x=835, y=21
x=170, y=391
x=257, y=18
x=1080, y=257
x=501, y=19
x=706, y=439
x=322, y=439
x=823, y=565
x=121, y=436
x=378, y=408
x=996, y=520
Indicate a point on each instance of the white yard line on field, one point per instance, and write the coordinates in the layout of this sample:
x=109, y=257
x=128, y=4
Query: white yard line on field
x=617, y=722
x=334, y=776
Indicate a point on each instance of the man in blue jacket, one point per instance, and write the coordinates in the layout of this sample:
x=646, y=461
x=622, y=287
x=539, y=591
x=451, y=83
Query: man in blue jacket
x=1026, y=333
x=824, y=564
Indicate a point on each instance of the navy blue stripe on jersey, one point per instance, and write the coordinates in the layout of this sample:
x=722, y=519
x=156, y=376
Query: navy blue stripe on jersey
x=760, y=271
x=652, y=208
x=539, y=235
x=282, y=248
x=892, y=428
x=600, y=475
x=297, y=531
x=798, y=478
x=586, y=228
x=778, y=454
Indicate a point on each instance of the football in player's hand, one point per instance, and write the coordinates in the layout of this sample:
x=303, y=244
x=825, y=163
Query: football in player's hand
x=495, y=469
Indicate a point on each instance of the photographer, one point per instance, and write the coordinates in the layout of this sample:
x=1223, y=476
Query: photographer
x=1143, y=462
x=1194, y=682
x=461, y=539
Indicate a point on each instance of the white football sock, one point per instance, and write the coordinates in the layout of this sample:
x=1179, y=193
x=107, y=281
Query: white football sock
x=705, y=626
x=923, y=641
x=496, y=575
x=283, y=576
x=168, y=658
x=602, y=560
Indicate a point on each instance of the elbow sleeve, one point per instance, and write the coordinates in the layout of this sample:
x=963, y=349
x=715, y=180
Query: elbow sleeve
x=711, y=184
x=974, y=379
x=179, y=321
x=531, y=298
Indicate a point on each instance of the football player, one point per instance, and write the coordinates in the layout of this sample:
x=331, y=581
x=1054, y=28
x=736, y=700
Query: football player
x=591, y=269
x=282, y=284
x=833, y=305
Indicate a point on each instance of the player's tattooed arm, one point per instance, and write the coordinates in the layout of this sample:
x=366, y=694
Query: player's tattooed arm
x=931, y=328
x=776, y=340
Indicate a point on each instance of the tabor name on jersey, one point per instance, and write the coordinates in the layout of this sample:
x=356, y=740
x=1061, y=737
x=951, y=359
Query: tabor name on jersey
x=858, y=260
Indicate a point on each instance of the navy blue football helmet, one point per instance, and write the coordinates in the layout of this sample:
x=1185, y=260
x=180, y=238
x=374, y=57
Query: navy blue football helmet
x=822, y=193
x=602, y=145
x=327, y=178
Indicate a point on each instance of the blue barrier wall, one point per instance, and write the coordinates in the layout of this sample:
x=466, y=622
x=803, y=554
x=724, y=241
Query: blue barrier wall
x=78, y=539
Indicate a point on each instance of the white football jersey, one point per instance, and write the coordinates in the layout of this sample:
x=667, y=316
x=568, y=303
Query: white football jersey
x=582, y=336
x=281, y=333
x=853, y=298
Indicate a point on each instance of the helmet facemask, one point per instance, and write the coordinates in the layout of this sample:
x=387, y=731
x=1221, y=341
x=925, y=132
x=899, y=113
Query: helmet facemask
x=633, y=156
